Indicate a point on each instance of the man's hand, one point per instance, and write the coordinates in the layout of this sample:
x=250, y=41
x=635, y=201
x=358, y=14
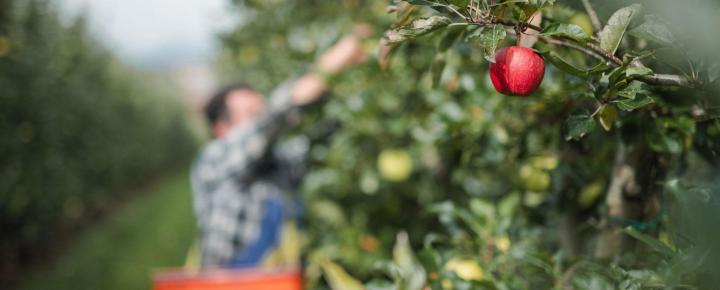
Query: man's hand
x=347, y=52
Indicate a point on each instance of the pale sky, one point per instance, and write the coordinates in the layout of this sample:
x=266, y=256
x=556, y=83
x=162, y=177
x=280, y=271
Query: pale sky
x=156, y=32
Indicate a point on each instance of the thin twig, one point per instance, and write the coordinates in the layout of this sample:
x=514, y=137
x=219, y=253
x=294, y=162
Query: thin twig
x=565, y=43
x=456, y=12
x=593, y=15
x=607, y=55
x=508, y=22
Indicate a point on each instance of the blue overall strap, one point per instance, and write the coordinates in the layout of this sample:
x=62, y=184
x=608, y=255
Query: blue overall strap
x=268, y=239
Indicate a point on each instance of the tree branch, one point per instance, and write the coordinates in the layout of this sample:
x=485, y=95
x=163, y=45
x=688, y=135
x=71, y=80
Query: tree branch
x=593, y=15
x=595, y=51
x=668, y=80
x=508, y=22
x=568, y=44
x=607, y=55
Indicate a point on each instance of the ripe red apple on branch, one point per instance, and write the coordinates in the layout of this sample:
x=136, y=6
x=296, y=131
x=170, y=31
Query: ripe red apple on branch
x=517, y=71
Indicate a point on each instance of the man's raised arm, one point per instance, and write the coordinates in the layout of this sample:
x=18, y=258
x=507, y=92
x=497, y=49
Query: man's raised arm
x=235, y=155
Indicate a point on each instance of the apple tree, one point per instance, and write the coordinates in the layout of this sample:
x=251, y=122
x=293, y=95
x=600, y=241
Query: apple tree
x=531, y=144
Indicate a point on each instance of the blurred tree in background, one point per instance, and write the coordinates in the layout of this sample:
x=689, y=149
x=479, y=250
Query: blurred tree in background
x=77, y=128
x=551, y=191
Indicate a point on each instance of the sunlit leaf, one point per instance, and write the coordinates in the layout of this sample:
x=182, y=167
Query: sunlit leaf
x=338, y=278
x=570, y=31
x=489, y=38
x=634, y=88
x=607, y=116
x=412, y=274
x=613, y=32
x=417, y=28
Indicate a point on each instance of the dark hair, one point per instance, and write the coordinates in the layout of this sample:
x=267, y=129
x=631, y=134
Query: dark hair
x=216, y=109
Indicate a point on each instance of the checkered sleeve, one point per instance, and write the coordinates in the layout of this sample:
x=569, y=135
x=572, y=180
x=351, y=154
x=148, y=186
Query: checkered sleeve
x=235, y=155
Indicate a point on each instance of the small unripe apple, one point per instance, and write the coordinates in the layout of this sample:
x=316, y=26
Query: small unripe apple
x=466, y=269
x=517, y=71
x=395, y=165
x=534, y=179
x=582, y=20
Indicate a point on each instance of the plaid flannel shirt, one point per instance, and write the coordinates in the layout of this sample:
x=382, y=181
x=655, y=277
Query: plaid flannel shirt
x=235, y=175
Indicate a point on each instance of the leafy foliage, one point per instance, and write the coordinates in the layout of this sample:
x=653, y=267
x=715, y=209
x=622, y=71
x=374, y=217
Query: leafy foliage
x=505, y=192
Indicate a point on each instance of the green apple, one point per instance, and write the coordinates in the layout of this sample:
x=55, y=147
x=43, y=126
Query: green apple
x=534, y=179
x=394, y=165
x=581, y=19
x=466, y=269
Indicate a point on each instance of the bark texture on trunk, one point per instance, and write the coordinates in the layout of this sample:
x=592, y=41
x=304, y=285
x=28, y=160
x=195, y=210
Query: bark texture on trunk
x=633, y=195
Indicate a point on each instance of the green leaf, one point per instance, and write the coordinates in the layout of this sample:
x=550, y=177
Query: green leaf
x=654, y=243
x=653, y=29
x=417, y=28
x=637, y=71
x=570, y=31
x=561, y=64
x=607, y=116
x=633, y=89
x=637, y=102
x=412, y=274
x=579, y=126
x=338, y=278
x=616, y=75
x=613, y=32
x=489, y=38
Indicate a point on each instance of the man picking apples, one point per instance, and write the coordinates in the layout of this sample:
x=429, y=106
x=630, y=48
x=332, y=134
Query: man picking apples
x=244, y=179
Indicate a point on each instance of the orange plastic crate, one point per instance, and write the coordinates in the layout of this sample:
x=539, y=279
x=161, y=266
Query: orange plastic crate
x=228, y=280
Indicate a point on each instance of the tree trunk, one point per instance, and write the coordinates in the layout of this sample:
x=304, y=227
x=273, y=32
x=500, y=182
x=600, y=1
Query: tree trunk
x=633, y=195
x=568, y=233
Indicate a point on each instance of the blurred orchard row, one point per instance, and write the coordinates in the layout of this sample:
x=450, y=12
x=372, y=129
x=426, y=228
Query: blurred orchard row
x=78, y=128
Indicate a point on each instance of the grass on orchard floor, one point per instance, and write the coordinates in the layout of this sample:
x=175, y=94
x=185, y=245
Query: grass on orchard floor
x=155, y=230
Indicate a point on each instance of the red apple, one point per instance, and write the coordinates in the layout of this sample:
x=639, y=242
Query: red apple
x=517, y=71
